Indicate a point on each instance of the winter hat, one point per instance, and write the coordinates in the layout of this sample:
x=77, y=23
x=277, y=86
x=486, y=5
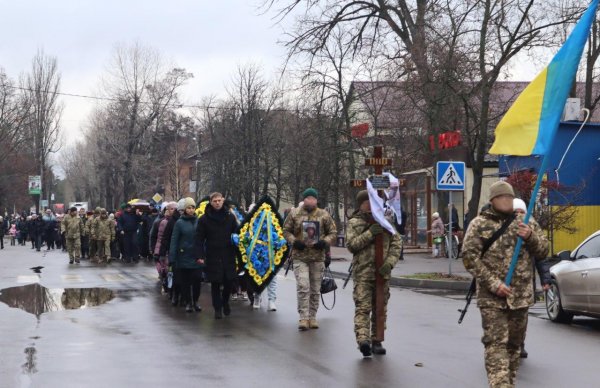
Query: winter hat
x=435, y=215
x=181, y=204
x=361, y=197
x=501, y=188
x=111, y=216
x=519, y=204
x=188, y=202
x=163, y=206
x=310, y=192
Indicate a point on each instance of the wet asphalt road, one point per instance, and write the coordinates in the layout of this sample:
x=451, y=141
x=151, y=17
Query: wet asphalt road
x=138, y=339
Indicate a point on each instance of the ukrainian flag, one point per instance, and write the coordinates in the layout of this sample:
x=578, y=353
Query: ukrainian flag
x=529, y=126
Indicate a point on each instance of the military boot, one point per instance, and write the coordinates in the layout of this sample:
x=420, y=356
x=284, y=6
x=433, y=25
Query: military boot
x=365, y=348
x=303, y=324
x=377, y=348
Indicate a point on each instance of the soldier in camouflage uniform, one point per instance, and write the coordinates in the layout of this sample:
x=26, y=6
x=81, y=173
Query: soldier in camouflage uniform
x=72, y=227
x=91, y=232
x=503, y=308
x=360, y=240
x=309, y=259
x=105, y=233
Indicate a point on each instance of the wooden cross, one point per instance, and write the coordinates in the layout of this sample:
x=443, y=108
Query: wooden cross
x=377, y=162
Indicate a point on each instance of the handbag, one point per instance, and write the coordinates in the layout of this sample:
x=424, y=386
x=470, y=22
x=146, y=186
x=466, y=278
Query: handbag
x=328, y=285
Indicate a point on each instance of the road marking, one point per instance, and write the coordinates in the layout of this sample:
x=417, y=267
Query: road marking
x=151, y=276
x=28, y=279
x=71, y=278
x=113, y=277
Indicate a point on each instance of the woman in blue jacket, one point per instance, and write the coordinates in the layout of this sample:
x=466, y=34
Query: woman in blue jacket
x=182, y=253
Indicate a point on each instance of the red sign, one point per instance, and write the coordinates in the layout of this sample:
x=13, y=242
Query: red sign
x=445, y=140
x=359, y=130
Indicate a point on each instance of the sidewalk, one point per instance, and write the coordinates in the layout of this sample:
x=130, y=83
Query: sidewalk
x=413, y=263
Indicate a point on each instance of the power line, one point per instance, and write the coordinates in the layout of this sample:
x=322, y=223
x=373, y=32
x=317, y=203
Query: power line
x=177, y=106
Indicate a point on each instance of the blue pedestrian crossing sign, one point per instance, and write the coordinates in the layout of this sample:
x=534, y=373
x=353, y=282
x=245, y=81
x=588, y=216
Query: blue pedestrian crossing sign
x=450, y=176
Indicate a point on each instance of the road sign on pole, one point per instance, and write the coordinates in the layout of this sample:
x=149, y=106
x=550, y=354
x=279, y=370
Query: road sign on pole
x=450, y=176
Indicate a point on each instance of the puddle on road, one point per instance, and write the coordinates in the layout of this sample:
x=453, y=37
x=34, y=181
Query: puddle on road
x=37, y=299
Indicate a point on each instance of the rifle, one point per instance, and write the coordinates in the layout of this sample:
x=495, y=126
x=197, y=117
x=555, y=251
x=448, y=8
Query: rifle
x=486, y=245
x=469, y=296
x=348, y=277
x=289, y=262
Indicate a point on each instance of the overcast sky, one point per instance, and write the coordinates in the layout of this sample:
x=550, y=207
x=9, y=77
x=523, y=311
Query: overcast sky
x=207, y=37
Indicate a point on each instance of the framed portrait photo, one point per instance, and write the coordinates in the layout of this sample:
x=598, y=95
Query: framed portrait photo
x=310, y=232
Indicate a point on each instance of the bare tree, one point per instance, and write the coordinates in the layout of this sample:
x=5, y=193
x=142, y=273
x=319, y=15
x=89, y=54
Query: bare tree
x=42, y=86
x=144, y=91
x=453, y=52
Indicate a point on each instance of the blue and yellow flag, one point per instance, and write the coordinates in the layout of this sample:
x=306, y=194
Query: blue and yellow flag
x=529, y=126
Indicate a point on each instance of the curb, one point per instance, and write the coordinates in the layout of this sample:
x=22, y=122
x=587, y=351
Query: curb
x=454, y=285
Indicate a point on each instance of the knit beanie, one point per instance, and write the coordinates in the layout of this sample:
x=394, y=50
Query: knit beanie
x=310, y=192
x=435, y=215
x=188, y=202
x=361, y=197
x=181, y=204
x=501, y=188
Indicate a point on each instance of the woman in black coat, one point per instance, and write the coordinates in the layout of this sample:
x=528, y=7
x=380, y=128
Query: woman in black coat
x=214, y=246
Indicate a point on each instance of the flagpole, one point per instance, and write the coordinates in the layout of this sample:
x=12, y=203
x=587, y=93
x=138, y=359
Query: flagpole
x=534, y=193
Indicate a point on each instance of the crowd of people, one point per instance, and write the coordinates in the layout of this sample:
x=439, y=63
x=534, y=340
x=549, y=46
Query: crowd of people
x=188, y=249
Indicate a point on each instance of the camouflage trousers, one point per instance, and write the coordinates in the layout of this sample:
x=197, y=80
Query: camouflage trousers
x=365, y=327
x=93, y=249
x=74, y=248
x=503, y=335
x=103, y=249
x=308, y=287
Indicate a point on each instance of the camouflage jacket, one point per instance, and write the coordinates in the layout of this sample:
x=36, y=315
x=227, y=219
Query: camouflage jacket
x=491, y=269
x=91, y=229
x=292, y=230
x=72, y=227
x=105, y=229
x=361, y=243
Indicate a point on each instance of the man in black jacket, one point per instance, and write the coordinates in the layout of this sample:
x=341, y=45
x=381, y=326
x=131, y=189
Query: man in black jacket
x=37, y=231
x=128, y=223
x=215, y=249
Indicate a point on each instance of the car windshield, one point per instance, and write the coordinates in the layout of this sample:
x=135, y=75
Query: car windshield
x=591, y=248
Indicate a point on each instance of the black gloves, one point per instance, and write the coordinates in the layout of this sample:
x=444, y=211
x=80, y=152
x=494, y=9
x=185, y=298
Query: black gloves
x=299, y=245
x=327, y=260
x=320, y=244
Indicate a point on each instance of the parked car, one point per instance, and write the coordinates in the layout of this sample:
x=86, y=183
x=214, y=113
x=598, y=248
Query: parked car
x=575, y=285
